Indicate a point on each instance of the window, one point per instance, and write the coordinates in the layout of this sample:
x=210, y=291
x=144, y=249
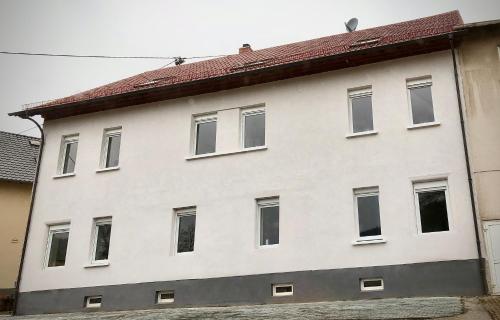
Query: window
x=420, y=96
x=67, y=159
x=431, y=202
x=360, y=110
x=186, y=226
x=110, y=153
x=166, y=296
x=269, y=221
x=93, y=302
x=372, y=284
x=57, y=245
x=367, y=211
x=101, y=239
x=280, y=290
x=253, y=122
x=205, y=128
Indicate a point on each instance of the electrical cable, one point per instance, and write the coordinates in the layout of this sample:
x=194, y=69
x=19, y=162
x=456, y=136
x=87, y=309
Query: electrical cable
x=26, y=130
x=102, y=56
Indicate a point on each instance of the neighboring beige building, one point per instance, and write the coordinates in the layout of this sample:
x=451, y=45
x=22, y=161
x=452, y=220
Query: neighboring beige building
x=479, y=63
x=18, y=157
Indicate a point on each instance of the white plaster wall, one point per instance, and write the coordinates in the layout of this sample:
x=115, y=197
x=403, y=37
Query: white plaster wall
x=309, y=164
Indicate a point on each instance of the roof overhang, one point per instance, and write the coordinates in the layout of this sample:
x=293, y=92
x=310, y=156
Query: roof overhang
x=481, y=24
x=242, y=79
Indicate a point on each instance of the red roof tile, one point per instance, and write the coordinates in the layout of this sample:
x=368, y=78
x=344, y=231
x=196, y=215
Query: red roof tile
x=274, y=56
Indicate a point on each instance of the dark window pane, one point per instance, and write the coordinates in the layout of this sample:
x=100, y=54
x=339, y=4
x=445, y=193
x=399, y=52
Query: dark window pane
x=102, y=242
x=205, y=137
x=70, y=157
x=185, y=242
x=421, y=105
x=369, y=216
x=95, y=300
x=284, y=289
x=167, y=295
x=372, y=283
x=113, y=152
x=433, y=212
x=269, y=225
x=58, y=246
x=255, y=130
x=362, y=116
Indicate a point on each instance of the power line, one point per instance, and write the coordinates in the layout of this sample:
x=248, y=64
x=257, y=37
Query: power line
x=101, y=56
x=167, y=64
x=26, y=130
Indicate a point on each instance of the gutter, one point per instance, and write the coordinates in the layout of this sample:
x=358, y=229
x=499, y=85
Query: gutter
x=482, y=272
x=28, y=225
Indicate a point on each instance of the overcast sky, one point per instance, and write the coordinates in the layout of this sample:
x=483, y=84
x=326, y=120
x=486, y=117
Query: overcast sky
x=168, y=28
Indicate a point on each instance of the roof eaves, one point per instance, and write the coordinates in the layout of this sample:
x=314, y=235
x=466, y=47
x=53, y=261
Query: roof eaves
x=478, y=24
x=42, y=110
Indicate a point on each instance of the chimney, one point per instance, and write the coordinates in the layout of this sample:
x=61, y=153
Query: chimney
x=245, y=48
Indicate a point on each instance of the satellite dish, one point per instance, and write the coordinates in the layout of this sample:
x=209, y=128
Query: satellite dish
x=351, y=25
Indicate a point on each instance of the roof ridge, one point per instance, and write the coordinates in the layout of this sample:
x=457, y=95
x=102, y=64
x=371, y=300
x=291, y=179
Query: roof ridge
x=300, y=42
x=18, y=134
x=356, y=31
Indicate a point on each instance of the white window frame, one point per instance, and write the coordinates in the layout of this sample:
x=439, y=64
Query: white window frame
x=212, y=117
x=419, y=83
x=65, y=141
x=53, y=229
x=159, y=300
x=266, y=203
x=366, y=192
x=360, y=93
x=110, y=132
x=178, y=213
x=92, y=305
x=436, y=185
x=95, y=231
x=282, y=294
x=369, y=289
x=251, y=111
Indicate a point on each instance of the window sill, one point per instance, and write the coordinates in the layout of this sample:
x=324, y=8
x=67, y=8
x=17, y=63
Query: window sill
x=218, y=154
x=186, y=253
x=107, y=169
x=97, y=264
x=360, y=242
x=268, y=246
x=361, y=134
x=64, y=175
x=423, y=125
x=54, y=268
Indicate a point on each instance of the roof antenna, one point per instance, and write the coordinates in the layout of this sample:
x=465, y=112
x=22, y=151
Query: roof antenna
x=351, y=25
x=178, y=60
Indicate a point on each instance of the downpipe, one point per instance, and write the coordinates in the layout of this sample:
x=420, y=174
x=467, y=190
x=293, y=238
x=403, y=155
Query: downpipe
x=28, y=225
x=477, y=227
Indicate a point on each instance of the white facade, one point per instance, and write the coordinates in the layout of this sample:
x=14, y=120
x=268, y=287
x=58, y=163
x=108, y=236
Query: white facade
x=309, y=162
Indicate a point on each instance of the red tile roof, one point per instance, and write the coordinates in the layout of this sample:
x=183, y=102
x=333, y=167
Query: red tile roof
x=281, y=55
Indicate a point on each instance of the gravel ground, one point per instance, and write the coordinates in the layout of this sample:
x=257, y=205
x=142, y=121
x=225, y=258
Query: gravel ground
x=407, y=308
x=492, y=304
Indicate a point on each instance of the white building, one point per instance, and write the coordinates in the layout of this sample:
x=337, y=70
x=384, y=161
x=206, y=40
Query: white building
x=345, y=179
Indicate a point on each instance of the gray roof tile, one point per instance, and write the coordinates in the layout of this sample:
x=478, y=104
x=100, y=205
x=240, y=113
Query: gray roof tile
x=18, y=157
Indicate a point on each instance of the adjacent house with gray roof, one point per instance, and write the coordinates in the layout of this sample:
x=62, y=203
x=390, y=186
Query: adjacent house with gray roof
x=18, y=158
